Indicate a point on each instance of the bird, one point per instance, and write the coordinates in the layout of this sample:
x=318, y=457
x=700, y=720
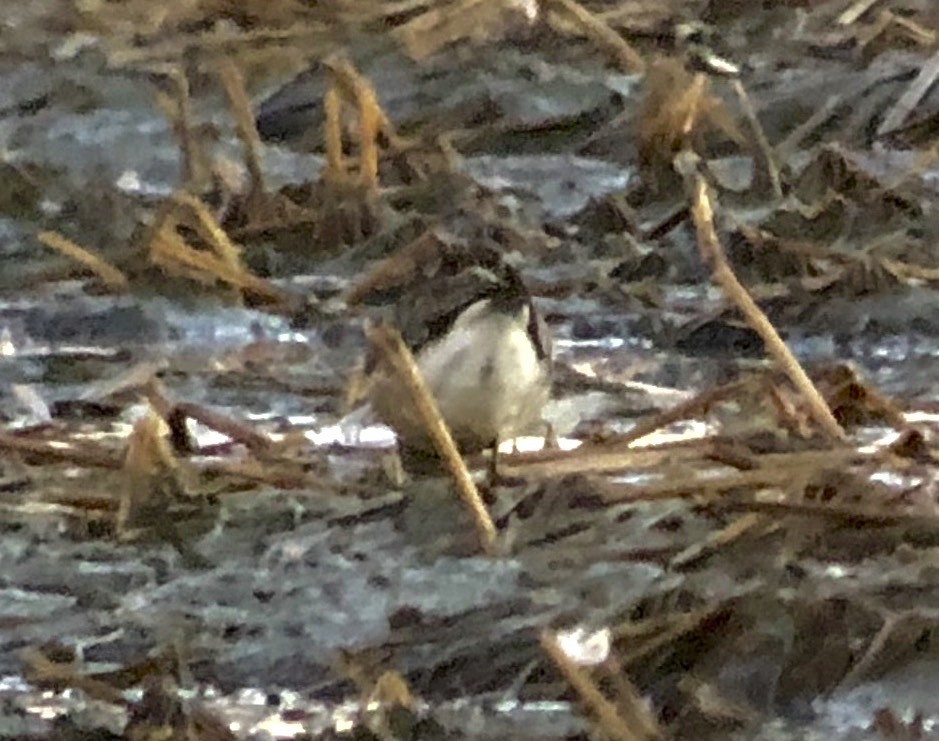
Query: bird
x=482, y=347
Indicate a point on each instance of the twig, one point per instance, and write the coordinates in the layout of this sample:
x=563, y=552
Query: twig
x=234, y=84
x=786, y=148
x=176, y=106
x=40, y=670
x=911, y=96
x=914, y=31
x=169, y=250
x=370, y=121
x=685, y=410
x=648, y=636
x=445, y=23
x=763, y=152
x=708, y=488
x=597, y=29
x=877, y=647
x=54, y=451
x=332, y=103
x=596, y=459
x=854, y=516
x=703, y=213
x=211, y=230
x=281, y=476
x=622, y=444
x=397, y=268
x=855, y=11
x=234, y=428
x=224, y=38
x=391, y=345
x=640, y=726
x=349, y=84
x=109, y=275
x=735, y=530
x=355, y=88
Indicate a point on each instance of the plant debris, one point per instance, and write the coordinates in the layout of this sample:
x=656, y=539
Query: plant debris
x=214, y=211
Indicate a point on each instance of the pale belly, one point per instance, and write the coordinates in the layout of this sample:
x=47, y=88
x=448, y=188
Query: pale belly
x=487, y=379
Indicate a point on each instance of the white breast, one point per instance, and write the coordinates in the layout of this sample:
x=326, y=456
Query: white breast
x=486, y=375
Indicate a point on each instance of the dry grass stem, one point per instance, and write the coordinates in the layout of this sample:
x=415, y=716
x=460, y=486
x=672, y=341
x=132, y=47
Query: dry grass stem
x=365, y=11
x=735, y=530
x=595, y=28
x=177, y=107
x=147, y=448
x=648, y=636
x=854, y=11
x=392, y=690
x=113, y=278
x=876, y=647
x=692, y=104
x=678, y=111
x=53, y=451
x=593, y=459
x=854, y=516
x=240, y=103
x=913, y=31
x=210, y=230
x=398, y=267
x=766, y=177
x=234, y=275
x=701, y=488
x=478, y=20
x=703, y=214
x=171, y=252
x=149, y=467
x=905, y=271
x=638, y=726
x=697, y=405
x=335, y=165
x=911, y=96
x=370, y=115
x=41, y=671
x=349, y=86
x=401, y=362
x=282, y=475
x=354, y=88
x=788, y=146
x=227, y=425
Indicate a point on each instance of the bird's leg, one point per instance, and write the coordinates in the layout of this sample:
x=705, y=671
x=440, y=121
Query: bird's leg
x=495, y=477
x=494, y=464
x=551, y=441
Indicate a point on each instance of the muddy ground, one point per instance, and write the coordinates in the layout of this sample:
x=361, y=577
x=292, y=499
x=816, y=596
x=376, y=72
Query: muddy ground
x=205, y=535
